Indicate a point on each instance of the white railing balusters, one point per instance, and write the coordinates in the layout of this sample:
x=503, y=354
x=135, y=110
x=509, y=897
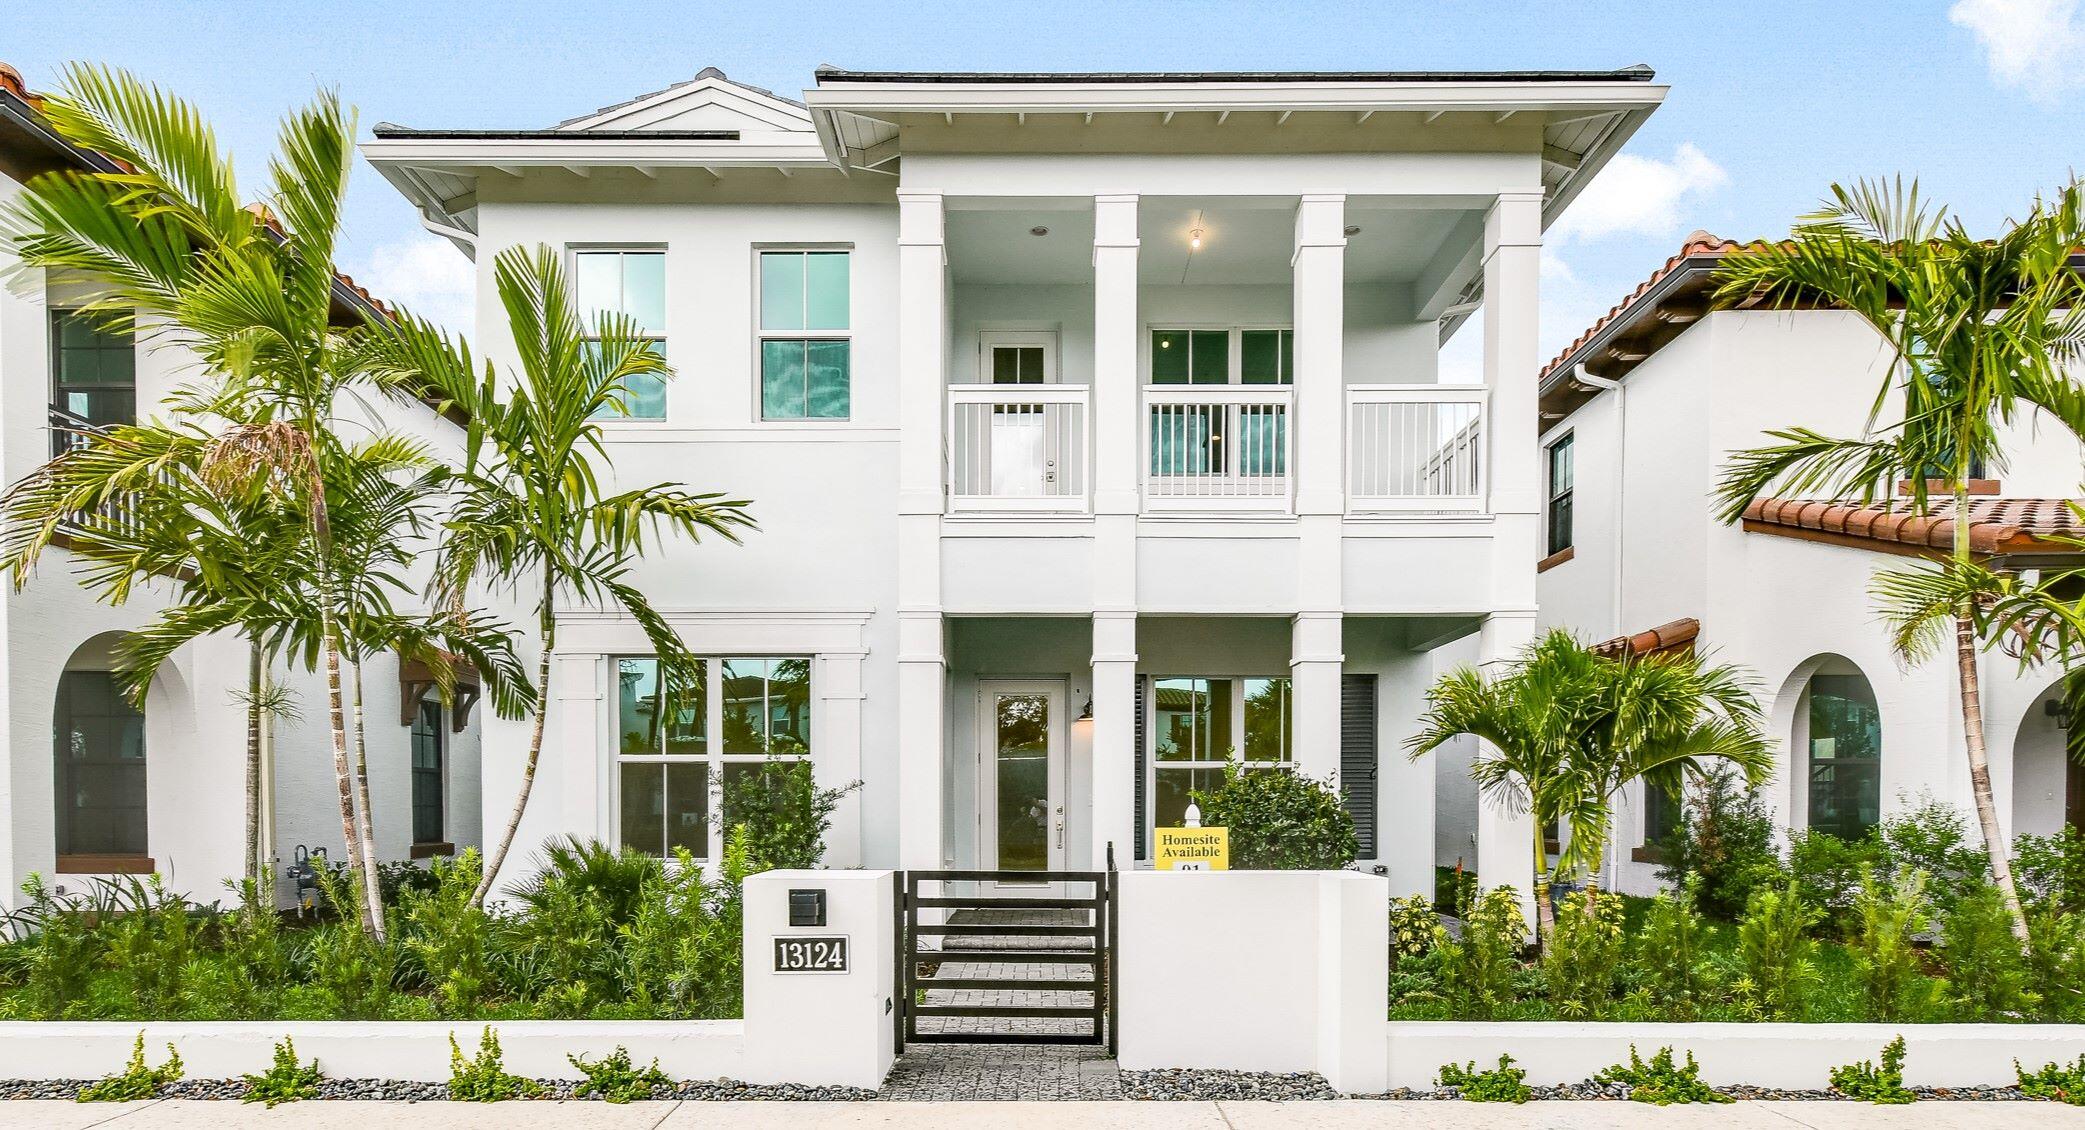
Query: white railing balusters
x=1415, y=447
x=1017, y=447
x=1217, y=447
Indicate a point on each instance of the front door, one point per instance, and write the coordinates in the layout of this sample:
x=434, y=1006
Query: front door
x=1021, y=821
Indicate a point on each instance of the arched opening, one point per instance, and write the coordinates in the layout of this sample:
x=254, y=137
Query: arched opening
x=98, y=766
x=1837, y=742
x=2048, y=787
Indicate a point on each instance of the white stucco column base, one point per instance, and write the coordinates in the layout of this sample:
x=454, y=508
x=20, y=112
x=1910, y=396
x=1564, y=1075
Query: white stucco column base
x=821, y=1028
x=1114, y=738
x=1505, y=839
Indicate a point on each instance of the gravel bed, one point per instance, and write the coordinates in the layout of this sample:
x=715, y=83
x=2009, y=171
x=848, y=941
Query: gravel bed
x=1619, y=1092
x=406, y=1090
x=1203, y=1086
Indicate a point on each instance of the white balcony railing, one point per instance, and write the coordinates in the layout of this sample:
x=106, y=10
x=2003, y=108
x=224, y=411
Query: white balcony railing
x=1017, y=447
x=1217, y=447
x=1415, y=447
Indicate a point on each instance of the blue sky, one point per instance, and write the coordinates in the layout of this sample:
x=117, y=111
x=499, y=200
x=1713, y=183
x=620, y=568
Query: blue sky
x=1982, y=100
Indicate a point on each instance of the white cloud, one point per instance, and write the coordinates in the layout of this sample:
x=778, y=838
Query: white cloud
x=426, y=275
x=2034, y=45
x=1640, y=196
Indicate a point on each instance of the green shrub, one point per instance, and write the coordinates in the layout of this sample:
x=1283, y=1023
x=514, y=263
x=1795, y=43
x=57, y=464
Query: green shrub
x=1583, y=955
x=783, y=811
x=1725, y=840
x=1886, y=916
x=2059, y=1082
x=286, y=1080
x=1864, y=1082
x=1280, y=820
x=2050, y=870
x=447, y=933
x=1660, y=1081
x=60, y=953
x=1672, y=974
x=256, y=956
x=149, y=939
x=616, y=1079
x=1478, y=970
x=1827, y=871
x=138, y=1080
x=483, y=1078
x=681, y=953
x=1987, y=974
x=1934, y=838
x=1503, y=1084
x=1776, y=955
x=1414, y=928
x=2056, y=962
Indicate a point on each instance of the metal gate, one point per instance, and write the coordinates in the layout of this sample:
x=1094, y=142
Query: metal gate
x=962, y=941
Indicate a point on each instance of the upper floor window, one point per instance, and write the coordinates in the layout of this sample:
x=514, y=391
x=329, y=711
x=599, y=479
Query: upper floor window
x=1222, y=357
x=631, y=283
x=93, y=371
x=1560, y=484
x=806, y=363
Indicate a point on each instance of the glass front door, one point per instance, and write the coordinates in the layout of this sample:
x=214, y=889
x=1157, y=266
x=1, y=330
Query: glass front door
x=1024, y=820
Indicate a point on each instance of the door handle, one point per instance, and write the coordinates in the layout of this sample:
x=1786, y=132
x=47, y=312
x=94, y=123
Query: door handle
x=1060, y=833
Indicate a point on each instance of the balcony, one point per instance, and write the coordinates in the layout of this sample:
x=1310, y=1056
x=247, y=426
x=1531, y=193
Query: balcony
x=1415, y=448
x=1217, y=447
x=1018, y=448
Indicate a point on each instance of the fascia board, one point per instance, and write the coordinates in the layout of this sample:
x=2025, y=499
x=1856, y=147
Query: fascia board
x=450, y=154
x=895, y=98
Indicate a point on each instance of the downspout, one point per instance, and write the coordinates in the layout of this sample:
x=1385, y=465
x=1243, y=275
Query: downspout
x=466, y=240
x=1585, y=377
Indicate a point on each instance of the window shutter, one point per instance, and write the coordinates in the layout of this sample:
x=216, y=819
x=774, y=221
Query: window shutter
x=1357, y=756
x=1137, y=789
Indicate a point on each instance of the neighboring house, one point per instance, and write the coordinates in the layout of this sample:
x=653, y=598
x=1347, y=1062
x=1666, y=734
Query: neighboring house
x=1094, y=423
x=92, y=785
x=1639, y=416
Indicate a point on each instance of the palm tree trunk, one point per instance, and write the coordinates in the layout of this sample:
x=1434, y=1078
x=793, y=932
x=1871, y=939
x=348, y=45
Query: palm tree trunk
x=253, y=761
x=1971, y=694
x=336, y=711
x=1545, y=913
x=372, y=891
x=498, y=855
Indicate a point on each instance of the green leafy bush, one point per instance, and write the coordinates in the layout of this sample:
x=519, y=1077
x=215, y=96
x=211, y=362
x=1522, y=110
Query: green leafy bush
x=1865, y=1082
x=1827, y=871
x=1280, y=820
x=1725, y=840
x=1886, y=917
x=257, y=958
x=1660, y=1081
x=783, y=811
x=1478, y=970
x=1584, y=955
x=1934, y=838
x=2058, y=1082
x=1414, y=928
x=1776, y=955
x=60, y=951
x=1502, y=1084
x=616, y=1079
x=149, y=943
x=1987, y=974
x=448, y=934
x=483, y=1078
x=2056, y=962
x=138, y=1079
x=286, y=1080
x=2050, y=870
x=1673, y=975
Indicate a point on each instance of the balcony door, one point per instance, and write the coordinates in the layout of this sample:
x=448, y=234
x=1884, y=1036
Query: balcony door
x=1021, y=802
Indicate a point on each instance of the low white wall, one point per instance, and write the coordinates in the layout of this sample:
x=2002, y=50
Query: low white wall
x=1255, y=971
x=823, y=1028
x=1763, y=1055
x=347, y=1049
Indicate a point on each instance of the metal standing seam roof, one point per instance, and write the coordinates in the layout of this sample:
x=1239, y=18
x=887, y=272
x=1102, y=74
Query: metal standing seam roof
x=1637, y=73
x=388, y=130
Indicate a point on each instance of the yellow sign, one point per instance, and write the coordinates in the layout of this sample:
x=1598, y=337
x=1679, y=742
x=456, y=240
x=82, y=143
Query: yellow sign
x=1193, y=849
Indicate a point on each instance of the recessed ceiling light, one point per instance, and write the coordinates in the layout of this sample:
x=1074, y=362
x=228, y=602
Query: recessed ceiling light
x=1353, y=229
x=1038, y=230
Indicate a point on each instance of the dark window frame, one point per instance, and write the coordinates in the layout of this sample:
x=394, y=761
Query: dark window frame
x=126, y=838
x=430, y=812
x=59, y=317
x=1558, y=509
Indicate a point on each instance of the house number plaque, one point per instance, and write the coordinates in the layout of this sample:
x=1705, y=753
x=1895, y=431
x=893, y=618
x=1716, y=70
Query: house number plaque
x=811, y=955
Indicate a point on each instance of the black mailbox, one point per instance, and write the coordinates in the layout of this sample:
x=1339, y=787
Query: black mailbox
x=807, y=908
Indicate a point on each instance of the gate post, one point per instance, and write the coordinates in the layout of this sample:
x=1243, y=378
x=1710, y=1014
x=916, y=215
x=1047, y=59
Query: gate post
x=819, y=957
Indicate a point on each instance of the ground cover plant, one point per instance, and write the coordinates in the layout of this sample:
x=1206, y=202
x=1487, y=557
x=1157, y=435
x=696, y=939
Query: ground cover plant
x=1868, y=1083
x=137, y=1080
x=483, y=1078
x=1502, y=1084
x=286, y=1080
x=1660, y=1081
x=2058, y=1082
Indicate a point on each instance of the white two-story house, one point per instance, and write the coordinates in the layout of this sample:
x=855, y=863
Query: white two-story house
x=1094, y=424
x=92, y=786
x=1639, y=417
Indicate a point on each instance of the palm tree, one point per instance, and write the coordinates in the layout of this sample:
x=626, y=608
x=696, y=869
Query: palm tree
x=1978, y=330
x=1565, y=729
x=531, y=515
x=248, y=292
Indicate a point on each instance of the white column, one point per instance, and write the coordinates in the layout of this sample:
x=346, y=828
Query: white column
x=1505, y=840
x=1117, y=479
x=922, y=655
x=1315, y=660
x=1114, y=737
x=837, y=762
x=585, y=763
x=1318, y=265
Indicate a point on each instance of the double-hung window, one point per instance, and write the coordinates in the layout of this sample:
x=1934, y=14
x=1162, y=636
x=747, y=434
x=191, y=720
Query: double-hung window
x=631, y=283
x=682, y=746
x=93, y=376
x=1197, y=725
x=1561, y=477
x=806, y=343
x=430, y=800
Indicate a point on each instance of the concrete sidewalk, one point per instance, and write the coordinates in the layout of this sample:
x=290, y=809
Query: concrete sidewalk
x=1343, y=1115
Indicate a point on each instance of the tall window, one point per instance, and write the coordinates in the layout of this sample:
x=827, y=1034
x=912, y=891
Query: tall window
x=806, y=364
x=1561, y=477
x=1661, y=814
x=1199, y=724
x=1845, y=756
x=100, y=768
x=93, y=372
x=430, y=800
x=1219, y=439
x=632, y=283
x=680, y=748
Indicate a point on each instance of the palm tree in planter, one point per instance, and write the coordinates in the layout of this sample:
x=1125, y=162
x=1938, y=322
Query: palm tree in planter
x=1979, y=330
x=1565, y=729
x=531, y=515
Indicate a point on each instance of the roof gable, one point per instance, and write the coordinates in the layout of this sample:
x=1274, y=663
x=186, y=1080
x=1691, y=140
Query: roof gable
x=709, y=101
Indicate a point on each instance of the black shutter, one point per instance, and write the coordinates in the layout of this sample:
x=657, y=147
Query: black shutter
x=1138, y=788
x=1357, y=755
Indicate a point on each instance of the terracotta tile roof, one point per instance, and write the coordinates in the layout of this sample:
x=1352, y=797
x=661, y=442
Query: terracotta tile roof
x=1699, y=245
x=1675, y=636
x=1996, y=525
